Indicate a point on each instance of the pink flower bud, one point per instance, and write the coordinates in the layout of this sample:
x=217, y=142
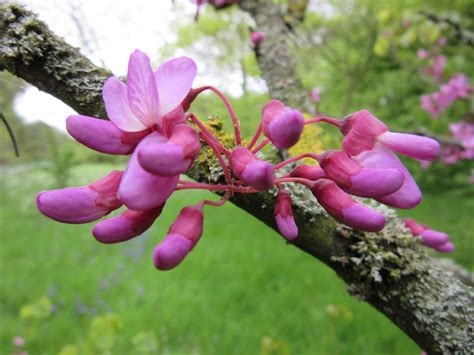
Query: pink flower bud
x=173, y=157
x=284, y=216
x=251, y=170
x=414, y=227
x=102, y=135
x=433, y=238
x=82, y=204
x=257, y=37
x=140, y=190
x=409, y=195
x=281, y=124
x=182, y=236
x=310, y=172
x=357, y=180
x=447, y=247
x=346, y=210
x=125, y=226
x=411, y=145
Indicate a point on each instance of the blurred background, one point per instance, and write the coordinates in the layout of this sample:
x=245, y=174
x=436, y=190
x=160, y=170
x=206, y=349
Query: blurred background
x=242, y=290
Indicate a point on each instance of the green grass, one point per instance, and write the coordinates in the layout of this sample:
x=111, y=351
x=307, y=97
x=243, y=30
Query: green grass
x=241, y=291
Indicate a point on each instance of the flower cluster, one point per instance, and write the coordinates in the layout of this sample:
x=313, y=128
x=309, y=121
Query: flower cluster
x=150, y=119
x=431, y=238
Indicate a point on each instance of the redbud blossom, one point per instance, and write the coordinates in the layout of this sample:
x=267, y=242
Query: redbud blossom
x=284, y=216
x=362, y=130
x=431, y=238
x=281, y=124
x=314, y=95
x=82, y=204
x=357, y=180
x=174, y=156
x=345, y=209
x=309, y=172
x=182, y=236
x=125, y=226
x=102, y=135
x=257, y=37
x=252, y=170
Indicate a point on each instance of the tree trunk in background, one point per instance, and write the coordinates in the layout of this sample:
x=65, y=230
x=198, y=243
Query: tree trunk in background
x=389, y=269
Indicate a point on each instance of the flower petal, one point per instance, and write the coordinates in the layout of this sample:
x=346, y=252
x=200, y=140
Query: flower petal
x=141, y=190
x=411, y=145
x=376, y=182
x=171, y=251
x=118, y=108
x=174, y=79
x=102, y=135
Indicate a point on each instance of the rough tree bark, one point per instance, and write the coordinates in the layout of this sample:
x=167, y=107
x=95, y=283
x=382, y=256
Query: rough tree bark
x=390, y=269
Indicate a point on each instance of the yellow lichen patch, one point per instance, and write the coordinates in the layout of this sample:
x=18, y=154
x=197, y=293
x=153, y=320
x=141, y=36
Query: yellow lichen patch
x=311, y=140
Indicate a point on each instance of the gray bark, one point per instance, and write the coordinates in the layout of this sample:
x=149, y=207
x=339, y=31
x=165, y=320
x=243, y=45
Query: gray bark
x=389, y=269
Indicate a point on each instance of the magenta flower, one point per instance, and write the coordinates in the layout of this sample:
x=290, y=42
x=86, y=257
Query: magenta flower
x=362, y=130
x=284, y=216
x=431, y=238
x=182, y=236
x=309, y=172
x=252, y=170
x=345, y=209
x=281, y=124
x=257, y=38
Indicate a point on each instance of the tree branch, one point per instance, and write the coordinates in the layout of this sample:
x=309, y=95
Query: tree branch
x=389, y=269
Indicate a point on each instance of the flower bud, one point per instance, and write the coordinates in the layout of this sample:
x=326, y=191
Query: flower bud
x=357, y=180
x=281, y=124
x=102, y=135
x=82, y=204
x=174, y=156
x=251, y=170
x=125, y=226
x=257, y=37
x=284, y=216
x=182, y=236
x=346, y=210
x=309, y=172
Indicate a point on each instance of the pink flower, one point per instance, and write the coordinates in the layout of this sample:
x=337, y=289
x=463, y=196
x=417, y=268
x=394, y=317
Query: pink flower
x=182, y=236
x=358, y=180
x=314, y=95
x=438, y=65
x=310, y=172
x=257, y=38
x=362, y=131
x=82, y=204
x=252, y=170
x=19, y=341
x=281, y=124
x=431, y=238
x=284, y=216
x=422, y=53
x=345, y=209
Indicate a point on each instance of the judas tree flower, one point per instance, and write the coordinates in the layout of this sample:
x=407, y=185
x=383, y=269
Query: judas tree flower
x=82, y=204
x=281, y=124
x=362, y=130
x=422, y=53
x=408, y=195
x=284, y=216
x=309, y=172
x=18, y=341
x=314, y=95
x=357, y=180
x=257, y=37
x=252, y=170
x=182, y=236
x=125, y=226
x=174, y=156
x=431, y=238
x=345, y=209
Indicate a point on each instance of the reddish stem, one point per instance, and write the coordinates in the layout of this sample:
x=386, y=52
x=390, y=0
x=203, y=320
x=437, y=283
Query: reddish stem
x=255, y=137
x=296, y=158
x=215, y=187
x=216, y=203
x=334, y=121
x=296, y=180
x=260, y=145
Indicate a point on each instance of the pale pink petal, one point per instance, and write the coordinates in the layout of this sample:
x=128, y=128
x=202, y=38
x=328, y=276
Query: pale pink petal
x=171, y=251
x=363, y=218
x=376, y=182
x=174, y=79
x=141, y=190
x=118, y=108
x=418, y=147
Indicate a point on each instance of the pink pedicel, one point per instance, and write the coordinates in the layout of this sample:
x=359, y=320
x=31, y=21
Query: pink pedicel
x=257, y=38
x=174, y=156
x=252, y=170
x=150, y=119
x=281, y=124
x=129, y=224
x=82, y=204
x=345, y=209
x=430, y=238
x=357, y=180
x=102, y=135
x=284, y=216
x=309, y=172
x=182, y=236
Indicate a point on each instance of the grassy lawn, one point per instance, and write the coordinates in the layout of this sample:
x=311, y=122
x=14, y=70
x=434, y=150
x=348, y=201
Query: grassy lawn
x=241, y=291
